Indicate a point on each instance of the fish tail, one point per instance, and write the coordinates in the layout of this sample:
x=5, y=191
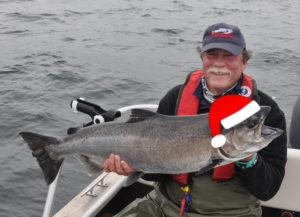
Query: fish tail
x=38, y=144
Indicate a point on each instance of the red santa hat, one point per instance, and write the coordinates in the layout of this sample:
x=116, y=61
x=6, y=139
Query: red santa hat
x=229, y=111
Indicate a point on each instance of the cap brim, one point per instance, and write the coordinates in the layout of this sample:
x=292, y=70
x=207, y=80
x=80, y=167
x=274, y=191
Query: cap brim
x=231, y=48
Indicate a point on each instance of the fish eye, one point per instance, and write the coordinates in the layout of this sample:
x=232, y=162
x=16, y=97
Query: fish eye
x=252, y=122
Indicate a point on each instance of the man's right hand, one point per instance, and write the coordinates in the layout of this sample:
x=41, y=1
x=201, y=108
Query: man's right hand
x=115, y=164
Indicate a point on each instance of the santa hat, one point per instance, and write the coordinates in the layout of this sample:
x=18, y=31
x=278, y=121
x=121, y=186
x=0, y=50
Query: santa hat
x=229, y=110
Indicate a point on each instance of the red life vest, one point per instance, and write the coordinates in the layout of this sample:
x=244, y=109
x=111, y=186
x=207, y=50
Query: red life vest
x=188, y=104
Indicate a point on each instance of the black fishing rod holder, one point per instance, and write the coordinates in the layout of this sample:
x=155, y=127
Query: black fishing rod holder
x=97, y=114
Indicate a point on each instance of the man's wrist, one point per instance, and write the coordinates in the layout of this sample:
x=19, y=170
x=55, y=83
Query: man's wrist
x=247, y=164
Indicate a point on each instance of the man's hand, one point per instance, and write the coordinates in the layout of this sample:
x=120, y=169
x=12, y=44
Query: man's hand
x=115, y=164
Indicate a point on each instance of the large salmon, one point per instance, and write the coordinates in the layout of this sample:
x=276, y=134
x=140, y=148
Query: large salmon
x=153, y=143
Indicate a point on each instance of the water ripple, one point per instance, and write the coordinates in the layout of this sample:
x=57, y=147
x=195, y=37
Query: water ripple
x=11, y=71
x=167, y=31
x=15, y=32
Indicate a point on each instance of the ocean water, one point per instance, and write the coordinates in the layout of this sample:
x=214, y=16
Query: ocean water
x=116, y=53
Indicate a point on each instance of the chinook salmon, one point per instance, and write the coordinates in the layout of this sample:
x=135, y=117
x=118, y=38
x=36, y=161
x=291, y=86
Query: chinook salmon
x=154, y=143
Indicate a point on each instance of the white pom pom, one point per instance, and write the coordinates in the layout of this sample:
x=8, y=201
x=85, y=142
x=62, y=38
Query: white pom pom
x=218, y=141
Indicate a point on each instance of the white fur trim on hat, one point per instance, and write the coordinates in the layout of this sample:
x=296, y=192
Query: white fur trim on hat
x=241, y=115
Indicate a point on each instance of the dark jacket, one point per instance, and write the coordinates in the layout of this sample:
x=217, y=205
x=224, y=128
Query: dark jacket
x=264, y=179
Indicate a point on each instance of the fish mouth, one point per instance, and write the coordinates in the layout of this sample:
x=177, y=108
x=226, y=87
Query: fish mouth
x=270, y=132
x=226, y=156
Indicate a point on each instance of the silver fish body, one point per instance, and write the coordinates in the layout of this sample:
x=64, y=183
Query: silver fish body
x=161, y=144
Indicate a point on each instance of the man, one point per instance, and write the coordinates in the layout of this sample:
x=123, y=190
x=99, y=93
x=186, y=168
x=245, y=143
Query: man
x=223, y=191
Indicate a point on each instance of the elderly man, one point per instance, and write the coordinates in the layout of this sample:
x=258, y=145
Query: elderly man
x=226, y=190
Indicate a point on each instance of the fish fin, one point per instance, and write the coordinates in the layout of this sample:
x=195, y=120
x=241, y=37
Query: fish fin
x=212, y=164
x=138, y=115
x=38, y=144
x=92, y=167
x=132, y=178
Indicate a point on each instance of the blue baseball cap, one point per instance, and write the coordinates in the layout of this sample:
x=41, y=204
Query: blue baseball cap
x=223, y=36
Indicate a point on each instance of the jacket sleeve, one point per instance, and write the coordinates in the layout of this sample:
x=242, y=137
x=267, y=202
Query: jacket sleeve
x=264, y=179
x=167, y=104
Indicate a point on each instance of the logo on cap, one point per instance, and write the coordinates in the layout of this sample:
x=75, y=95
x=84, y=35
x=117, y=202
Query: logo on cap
x=222, y=32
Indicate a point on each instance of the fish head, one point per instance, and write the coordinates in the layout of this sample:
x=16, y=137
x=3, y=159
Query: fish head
x=248, y=137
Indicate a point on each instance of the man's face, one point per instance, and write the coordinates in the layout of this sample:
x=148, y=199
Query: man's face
x=222, y=69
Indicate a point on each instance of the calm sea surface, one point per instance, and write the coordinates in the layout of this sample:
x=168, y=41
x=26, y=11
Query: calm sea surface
x=116, y=53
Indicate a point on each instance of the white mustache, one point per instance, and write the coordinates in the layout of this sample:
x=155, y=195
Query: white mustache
x=219, y=71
